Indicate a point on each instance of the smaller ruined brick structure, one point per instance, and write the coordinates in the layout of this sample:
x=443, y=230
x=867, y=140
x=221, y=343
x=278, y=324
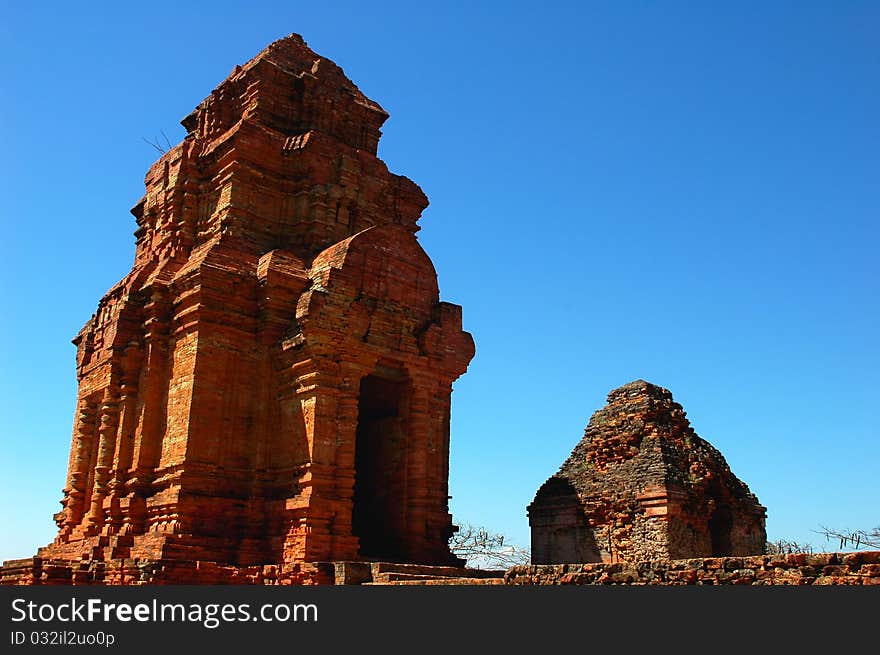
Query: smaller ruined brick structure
x=641, y=485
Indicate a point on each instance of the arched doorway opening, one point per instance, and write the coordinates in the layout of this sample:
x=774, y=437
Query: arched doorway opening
x=720, y=526
x=378, y=515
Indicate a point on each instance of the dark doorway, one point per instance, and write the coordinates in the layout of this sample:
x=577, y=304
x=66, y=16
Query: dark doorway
x=380, y=468
x=720, y=526
x=560, y=534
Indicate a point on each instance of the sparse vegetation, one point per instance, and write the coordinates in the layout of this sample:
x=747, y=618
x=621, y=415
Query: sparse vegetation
x=160, y=146
x=483, y=549
x=785, y=547
x=854, y=539
x=846, y=540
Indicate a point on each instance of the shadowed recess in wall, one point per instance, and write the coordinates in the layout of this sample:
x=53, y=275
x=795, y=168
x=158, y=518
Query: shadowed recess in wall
x=642, y=485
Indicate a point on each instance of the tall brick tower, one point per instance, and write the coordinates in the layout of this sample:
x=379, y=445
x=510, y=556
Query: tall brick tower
x=271, y=382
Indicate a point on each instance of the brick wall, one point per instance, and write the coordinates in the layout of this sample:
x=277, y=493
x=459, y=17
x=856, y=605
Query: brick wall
x=796, y=569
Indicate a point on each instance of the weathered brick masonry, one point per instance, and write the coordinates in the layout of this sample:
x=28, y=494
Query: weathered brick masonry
x=265, y=397
x=642, y=485
x=797, y=569
x=270, y=385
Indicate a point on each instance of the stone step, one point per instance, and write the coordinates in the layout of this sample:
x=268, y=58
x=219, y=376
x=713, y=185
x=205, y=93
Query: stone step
x=380, y=568
x=404, y=577
x=438, y=582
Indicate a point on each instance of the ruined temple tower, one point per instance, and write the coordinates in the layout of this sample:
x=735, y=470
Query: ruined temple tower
x=642, y=485
x=271, y=382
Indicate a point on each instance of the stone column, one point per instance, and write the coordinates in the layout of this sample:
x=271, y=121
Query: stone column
x=418, y=443
x=318, y=394
x=320, y=515
x=107, y=426
x=78, y=470
x=441, y=418
x=122, y=458
x=308, y=537
x=438, y=519
x=344, y=542
x=148, y=436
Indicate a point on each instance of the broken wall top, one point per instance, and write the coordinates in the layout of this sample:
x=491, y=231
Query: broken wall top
x=290, y=88
x=281, y=155
x=642, y=440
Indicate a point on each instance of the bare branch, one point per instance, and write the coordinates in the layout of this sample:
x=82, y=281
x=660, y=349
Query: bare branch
x=156, y=145
x=853, y=538
x=785, y=547
x=481, y=548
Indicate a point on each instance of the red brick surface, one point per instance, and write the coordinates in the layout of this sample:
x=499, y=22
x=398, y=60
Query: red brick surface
x=279, y=337
x=642, y=485
x=799, y=569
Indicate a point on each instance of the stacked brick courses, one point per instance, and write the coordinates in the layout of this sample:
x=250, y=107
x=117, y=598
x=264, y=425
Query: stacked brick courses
x=860, y=568
x=270, y=385
x=642, y=485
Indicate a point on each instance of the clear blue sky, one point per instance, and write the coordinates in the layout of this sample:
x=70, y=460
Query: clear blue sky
x=681, y=192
